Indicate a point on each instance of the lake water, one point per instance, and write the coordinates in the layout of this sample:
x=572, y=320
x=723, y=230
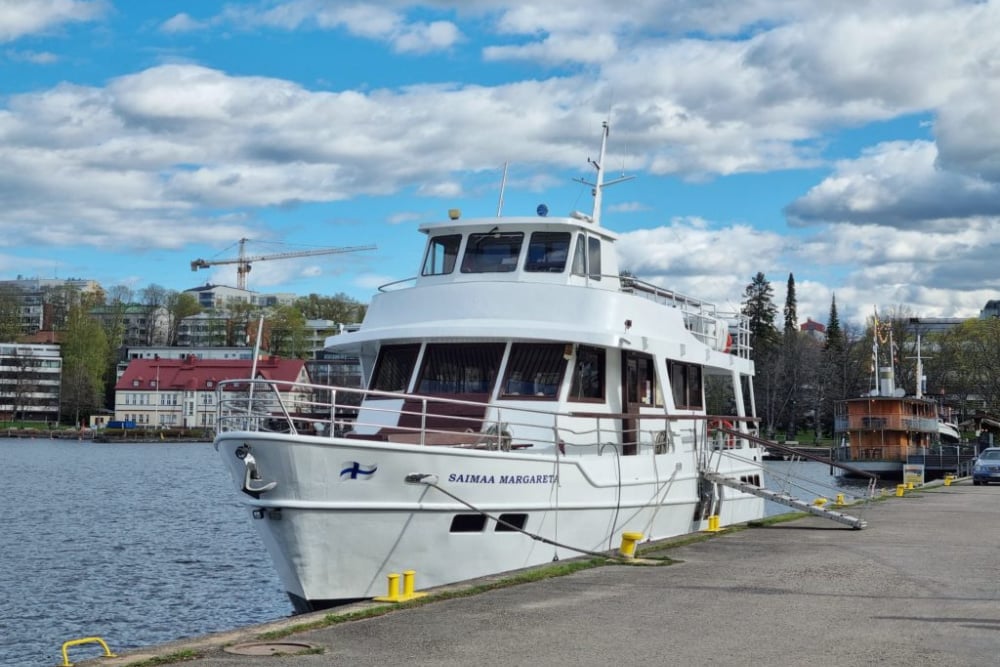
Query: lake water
x=143, y=544
x=139, y=544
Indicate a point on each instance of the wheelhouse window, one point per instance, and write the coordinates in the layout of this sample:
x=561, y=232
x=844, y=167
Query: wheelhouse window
x=587, y=257
x=442, y=252
x=547, y=252
x=535, y=370
x=588, y=375
x=686, y=385
x=394, y=367
x=460, y=368
x=492, y=252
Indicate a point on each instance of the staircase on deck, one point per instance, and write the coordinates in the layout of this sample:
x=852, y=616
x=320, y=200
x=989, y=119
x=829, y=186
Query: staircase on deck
x=785, y=499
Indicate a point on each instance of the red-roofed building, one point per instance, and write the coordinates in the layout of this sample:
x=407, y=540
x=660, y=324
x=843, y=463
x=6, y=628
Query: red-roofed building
x=176, y=393
x=813, y=329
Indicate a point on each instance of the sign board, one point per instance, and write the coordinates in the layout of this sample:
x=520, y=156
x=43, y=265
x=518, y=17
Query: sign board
x=913, y=472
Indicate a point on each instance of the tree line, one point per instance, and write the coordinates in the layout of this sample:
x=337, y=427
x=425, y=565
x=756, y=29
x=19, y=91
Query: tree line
x=799, y=379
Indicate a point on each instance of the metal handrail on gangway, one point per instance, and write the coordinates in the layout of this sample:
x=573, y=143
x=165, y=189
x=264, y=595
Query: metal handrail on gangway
x=785, y=498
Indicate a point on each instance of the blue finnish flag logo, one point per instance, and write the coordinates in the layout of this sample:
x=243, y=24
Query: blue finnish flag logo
x=354, y=470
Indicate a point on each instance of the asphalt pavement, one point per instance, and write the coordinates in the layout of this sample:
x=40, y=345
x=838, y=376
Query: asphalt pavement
x=918, y=586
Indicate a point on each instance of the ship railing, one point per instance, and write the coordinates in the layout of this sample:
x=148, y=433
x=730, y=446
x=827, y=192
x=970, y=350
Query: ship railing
x=700, y=317
x=321, y=410
x=876, y=422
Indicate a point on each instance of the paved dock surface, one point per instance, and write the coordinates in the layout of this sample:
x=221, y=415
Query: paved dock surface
x=919, y=586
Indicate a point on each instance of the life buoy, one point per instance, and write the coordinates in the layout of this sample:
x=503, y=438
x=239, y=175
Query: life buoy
x=729, y=343
x=728, y=439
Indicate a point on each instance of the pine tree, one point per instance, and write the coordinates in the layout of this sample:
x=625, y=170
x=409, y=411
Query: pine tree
x=834, y=334
x=758, y=306
x=791, y=316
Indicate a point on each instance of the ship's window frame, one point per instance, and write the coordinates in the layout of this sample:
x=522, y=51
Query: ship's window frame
x=492, y=252
x=547, y=252
x=404, y=359
x=511, y=523
x=461, y=369
x=687, y=385
x=535, y=370
x=468, y=523
x=442, y=255
x=587, y=257
x=594, y=257
x=591, y=388
x=650, y=393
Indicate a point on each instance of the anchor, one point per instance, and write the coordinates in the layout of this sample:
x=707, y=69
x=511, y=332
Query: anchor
x=252, y=473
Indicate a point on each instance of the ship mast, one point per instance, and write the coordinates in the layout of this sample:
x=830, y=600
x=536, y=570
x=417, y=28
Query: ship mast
x=598, y=185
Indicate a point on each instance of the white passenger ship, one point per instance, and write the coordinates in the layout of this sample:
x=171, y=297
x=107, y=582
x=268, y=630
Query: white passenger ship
x=524, y=400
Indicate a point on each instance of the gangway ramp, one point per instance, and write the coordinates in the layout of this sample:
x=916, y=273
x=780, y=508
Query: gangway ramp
x=785, y=499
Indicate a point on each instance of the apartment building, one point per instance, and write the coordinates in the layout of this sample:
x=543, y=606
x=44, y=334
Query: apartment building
x=30, y=380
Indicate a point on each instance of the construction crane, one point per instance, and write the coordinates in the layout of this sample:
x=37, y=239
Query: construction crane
x=243, y=261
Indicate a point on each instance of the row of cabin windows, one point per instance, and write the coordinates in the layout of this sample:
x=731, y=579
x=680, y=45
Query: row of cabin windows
x=499, y=252
x=534, y=370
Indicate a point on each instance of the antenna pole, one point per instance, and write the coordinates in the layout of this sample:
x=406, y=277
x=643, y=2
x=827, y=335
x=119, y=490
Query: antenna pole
x=503, y=184
x=599, y=181
x=920, y=370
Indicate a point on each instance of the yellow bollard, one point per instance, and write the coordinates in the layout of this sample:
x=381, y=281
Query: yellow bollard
x=819, y=502
x=629, y=540
x=840, y=500
x=713, y=523
x=947, y=479
x=909, y=486
x=85, y=640
x=393, y=594
x=401, y=591
x=408, y=580
x=900, y=490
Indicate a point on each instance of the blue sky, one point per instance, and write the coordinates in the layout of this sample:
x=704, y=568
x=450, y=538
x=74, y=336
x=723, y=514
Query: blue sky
x=853, y=144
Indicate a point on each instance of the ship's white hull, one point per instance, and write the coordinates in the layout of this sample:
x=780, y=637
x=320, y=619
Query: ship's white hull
x=341, y=516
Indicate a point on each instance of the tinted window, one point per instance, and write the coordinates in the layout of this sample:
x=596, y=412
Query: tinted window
x=547, y=252
x=685, y=384
x=492, y=253
x=461, y=368
x=588, y=375
x=535, y=370
x=394, y=367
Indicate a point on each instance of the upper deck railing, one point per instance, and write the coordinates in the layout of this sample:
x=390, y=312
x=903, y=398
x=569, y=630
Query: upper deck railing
x=701, y=318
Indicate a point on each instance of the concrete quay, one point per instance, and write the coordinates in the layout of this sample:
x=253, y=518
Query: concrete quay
x=918, y=586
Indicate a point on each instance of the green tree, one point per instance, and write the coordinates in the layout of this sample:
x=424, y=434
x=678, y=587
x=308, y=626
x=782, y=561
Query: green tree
x=791, y=309
x=832, y=380
x=792, y=384
x=834, y=334
x=339, y=308
x=758, y=306
x=964, y=368
x=179, y=305
x=287, y=333
x=85, y=359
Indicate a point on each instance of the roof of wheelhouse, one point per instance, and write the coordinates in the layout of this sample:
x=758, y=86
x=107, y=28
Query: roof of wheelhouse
x=519, y=223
